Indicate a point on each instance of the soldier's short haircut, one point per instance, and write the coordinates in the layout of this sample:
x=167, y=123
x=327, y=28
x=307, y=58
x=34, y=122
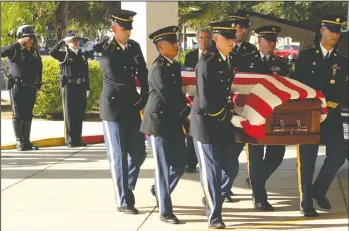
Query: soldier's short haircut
x=208, y=30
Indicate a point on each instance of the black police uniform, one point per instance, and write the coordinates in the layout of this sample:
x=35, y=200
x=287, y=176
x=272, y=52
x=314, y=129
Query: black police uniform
x=211, y=128
x=261, y=169
x=74, y=77
x=330, y=76
x=120, y=106
x=164, y=115
x=25, y=75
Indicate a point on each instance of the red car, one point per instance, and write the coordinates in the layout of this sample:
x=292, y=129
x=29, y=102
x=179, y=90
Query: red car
x=286, y=51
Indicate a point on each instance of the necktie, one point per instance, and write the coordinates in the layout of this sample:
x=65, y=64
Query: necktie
x=228, y=61
x=264, y=59
x=327, y=55
x=235, y=49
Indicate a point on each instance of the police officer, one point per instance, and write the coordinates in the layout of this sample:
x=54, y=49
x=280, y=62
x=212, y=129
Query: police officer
x=25, y=74
x=210, y=123
x=264, y=62
x=241, y=21
x=323, y=68
x=122, y=60
x=164, y=115
x=75, y=86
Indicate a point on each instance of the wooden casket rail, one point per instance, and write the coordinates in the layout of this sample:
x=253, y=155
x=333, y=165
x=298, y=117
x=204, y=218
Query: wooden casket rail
x=295, y=122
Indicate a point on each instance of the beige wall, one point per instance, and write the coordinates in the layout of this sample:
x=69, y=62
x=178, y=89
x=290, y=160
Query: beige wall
x=150, y=17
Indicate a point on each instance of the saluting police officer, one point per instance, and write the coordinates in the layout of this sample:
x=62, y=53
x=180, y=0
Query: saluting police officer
x=264, y=62
x=25, y=74
x=241, y=21
x=323, y=68
x=210, y=123
x=74, y=79
x=164, y=115
x=122, y=61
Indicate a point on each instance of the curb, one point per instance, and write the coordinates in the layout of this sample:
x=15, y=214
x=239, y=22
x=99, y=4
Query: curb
x=53, y=142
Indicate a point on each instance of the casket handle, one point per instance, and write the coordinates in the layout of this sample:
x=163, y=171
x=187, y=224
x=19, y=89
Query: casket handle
x=300, y=127
x=279, y=128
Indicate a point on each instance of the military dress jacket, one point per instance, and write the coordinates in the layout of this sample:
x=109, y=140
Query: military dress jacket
x=329, y=76
x=120, y=99
x=245, y=48
x=73, y=66
x=210, y=115
x=166, y=109
x=252, y=62
x=24, y=65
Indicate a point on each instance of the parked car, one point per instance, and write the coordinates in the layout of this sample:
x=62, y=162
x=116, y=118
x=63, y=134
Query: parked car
x=287, y=51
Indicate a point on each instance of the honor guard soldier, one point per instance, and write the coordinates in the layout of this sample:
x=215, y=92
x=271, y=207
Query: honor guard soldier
x=210, y=123
x=74, y=78
x=164, y=115
x=241, y=21
x=25, y=75
x=121, y=62
x=204, y=38
x=259, y=168
x=323, y=68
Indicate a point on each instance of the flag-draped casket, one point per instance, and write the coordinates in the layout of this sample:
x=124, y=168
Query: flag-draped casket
x=270, y=109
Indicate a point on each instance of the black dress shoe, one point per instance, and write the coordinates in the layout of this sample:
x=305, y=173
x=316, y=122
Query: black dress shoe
x=153, y=192
x=70, y=145
x=309, y=213
x=29, y=146
x=323, y=202
x=81, y=144
x=228, y=199
x=172, y=219
x=128, y=210
x=20, y=146
x=190, y=169
x=264, y=206
x=217, y=225
x=248, y=182
x=203, y=200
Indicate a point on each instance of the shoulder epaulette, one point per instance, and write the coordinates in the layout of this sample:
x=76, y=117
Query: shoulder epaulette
x=132, y=41
x=341, y=54
x=249, y=53
x=307, y=48
x=159, y=61
x=208, y=55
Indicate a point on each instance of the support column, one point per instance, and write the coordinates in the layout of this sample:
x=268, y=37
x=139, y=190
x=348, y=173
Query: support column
x=150, y=16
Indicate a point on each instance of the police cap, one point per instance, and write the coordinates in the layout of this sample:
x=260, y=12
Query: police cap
x=225, y=28
x=167, y=33
x=25, y=31
x=333, y=22
x=269, y=32
x=242, y=18
x=124, y=18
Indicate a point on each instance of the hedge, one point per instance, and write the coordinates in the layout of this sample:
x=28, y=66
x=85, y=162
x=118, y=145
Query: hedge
x=49, y=99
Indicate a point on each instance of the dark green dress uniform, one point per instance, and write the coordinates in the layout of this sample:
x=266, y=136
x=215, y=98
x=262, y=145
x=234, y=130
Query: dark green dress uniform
x=25, y=75
x=74, y=77
x=211, y=128
x=260, y=166
x=120, y=106
x=164, y=115
x=329, y=74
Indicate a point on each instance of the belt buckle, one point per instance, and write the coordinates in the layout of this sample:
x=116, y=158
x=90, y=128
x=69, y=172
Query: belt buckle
x=78, y=81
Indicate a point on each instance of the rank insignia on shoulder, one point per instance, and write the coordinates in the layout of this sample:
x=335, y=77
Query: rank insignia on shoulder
x=251, y=65
x=293, y=68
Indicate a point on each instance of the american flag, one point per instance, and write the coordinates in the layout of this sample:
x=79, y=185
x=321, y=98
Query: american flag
x=254, y=96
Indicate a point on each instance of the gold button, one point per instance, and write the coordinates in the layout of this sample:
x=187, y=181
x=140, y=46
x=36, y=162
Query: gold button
x=335, y=54
x=219, y=60
x=332, y=81
x=118, y=48
x=314, y=63
x=312, y=71
x=168, y=64
x=317, y=51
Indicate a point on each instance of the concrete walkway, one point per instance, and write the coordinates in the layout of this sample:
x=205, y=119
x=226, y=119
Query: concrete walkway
x=62, y=189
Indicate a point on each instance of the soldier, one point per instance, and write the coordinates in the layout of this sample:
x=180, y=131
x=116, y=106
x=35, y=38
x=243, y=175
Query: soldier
x=74, y=80
x=242, y=23
x=122, y=60
x=204, y=38
x=164, y=115
x=323, y=68
x=259, y=168
x=25, y=75
x=210, y=124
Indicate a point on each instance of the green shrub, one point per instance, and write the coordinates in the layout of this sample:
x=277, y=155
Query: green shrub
x=181, y=55
x=49, y=99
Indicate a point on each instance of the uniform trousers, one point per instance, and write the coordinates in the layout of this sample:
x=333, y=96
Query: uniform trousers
x=169, y=156
x=218, y=166
x=126, y=153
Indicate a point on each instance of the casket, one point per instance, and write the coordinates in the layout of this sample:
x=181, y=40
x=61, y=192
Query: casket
x=295, y=122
